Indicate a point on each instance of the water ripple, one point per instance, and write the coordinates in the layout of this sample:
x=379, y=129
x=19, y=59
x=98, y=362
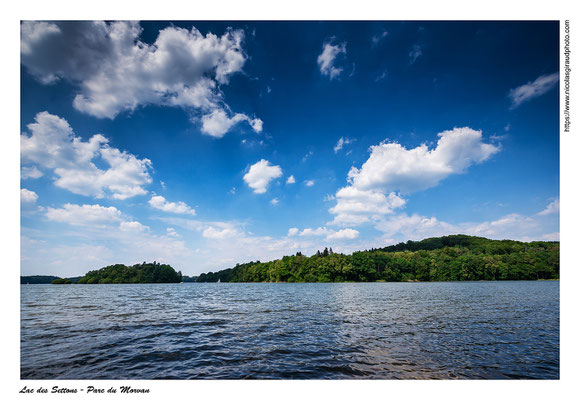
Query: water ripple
x=474, y=330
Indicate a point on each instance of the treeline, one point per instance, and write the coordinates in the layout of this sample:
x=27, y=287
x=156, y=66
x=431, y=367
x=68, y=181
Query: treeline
x=138, y=273
x=44, y=279
x=448, y=258
x=37, y=279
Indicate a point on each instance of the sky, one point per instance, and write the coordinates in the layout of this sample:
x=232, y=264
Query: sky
x=206, y=144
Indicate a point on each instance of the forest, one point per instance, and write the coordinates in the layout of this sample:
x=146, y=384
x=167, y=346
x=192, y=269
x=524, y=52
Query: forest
x=447, y=258
x=37, y=279
x=138, y=273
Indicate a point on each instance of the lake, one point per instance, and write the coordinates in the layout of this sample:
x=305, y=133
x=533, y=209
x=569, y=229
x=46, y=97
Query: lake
x=431, y=330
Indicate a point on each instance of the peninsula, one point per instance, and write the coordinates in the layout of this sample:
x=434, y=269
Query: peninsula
x=138, y=273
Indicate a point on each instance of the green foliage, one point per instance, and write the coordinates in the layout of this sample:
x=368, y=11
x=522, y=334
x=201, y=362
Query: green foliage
x=138, y=273
x=448, y=258
x=37, y=279
x=61, y=282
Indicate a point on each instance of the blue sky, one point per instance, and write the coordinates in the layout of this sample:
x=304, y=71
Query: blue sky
x=206, y=144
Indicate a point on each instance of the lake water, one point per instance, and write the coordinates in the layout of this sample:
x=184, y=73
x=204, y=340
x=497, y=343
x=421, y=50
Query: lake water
x=451, y=330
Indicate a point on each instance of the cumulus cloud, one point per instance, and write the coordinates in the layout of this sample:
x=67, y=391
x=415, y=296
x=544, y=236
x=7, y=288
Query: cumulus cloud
x=375, y=189
x=160, y=203
x=314, y=232
x=86, y=214
x=355, y=206
x=533, y=89
x=256, y=124
x=290, y=180
x=28, y=196
x=30, y=173
x=309, y=182
x=552, y=208
x=293, y=231
x=95, y=216
x=115, y=71
x=217, y=123
x=132, y=226
x=341, y=142
x=395, y=168
x=260, y=175
x=327, y=59
x=274, y=201
x=343, y=234
x=53, y=145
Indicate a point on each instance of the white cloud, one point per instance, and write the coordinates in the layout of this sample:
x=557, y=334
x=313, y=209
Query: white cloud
x=382, y=76
x=552, y=208
x=314, y=232
x=28, y=196
x=511, y=226
x=415, y=226
x=553, y=236
x=128, y=243
x=274, y=201
x=132, y=226
x=343, y=234
x=328, y=234
x=415, y=53
x=53, y=145
x=355, y=206
x=86, y=214
x=307, y=156
x=260, y=175
x=498, y=137
x=378, y=37
x=309, y=183
x=532, y=89
x=217, y=123
x=290, y=180
x=172, y=232
x=30, y=173
x=179, y=207
x=115, y=71
x=394, y=168
x=216, y=233
x=341, y=142
x=502, y=227
x=327, y=58
x=256, y=124
x=95, y=217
